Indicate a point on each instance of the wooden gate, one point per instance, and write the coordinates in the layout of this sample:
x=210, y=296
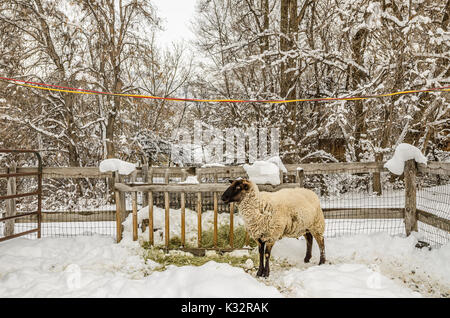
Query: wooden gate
x=10, y=209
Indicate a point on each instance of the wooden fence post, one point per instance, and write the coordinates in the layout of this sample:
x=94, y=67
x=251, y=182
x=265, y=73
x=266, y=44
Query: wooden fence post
x=410, y=196
x=183, y=210
x=376, y=176
x=10, y=203
x=119, y=205
x=134, y=207
x=232, y=225
x=300, y=177
x=150, y=209
x=199, y=212
x=167, y=219
x=216, y=180
x=144, y=179
x=135, y=218
x=166, y=210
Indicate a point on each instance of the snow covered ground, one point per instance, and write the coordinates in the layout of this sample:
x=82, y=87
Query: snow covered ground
x=363, y=264
x=376, y=265
x=97, y=267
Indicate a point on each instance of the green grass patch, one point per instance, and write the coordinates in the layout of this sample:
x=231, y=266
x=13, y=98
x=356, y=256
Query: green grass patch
x=179, y=258
x=223, y=239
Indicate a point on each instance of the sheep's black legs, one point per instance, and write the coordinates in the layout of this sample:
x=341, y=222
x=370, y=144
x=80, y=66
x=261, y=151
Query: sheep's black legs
x=264, y=256
x=261, y=245
x=321, y=243
x=266, y=271
x=309, y=243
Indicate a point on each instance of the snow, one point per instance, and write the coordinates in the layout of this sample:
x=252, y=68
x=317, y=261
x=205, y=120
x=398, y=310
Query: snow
x=190, y=180
x=118, y=165
x=97, y=267
x=61, y=267
x=362, y=265
x=263, y=172
x=211, y=165
x=404, y=152
x=343, y=280
x=376, y=265
x=277, y=160
x=367, y=258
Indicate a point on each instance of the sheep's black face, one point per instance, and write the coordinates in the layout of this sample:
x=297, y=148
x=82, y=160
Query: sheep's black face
x=235, y=191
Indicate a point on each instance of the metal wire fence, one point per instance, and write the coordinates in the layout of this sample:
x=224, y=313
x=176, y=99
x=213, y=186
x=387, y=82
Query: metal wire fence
x=351, y=202
x=351, y=206
x=433, y=196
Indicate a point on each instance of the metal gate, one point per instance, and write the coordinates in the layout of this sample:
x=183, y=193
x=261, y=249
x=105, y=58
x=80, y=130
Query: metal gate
x=10, y=197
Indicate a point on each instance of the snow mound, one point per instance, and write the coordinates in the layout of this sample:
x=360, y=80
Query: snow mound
x=277, y=160
x=377, y=265
x=263, y=172
x=98, y=267
x=191, y=219
x=190, y=180
x=343, y=280
x=83, y=266
x=404, y=152
x=211, y=280
x=392, y=256
x=118, y=165
x=213, y=164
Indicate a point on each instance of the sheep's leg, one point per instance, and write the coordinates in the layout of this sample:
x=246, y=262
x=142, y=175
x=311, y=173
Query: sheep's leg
x=321, y=243
x=267, y=255
x=261, y=246
x=309, y=243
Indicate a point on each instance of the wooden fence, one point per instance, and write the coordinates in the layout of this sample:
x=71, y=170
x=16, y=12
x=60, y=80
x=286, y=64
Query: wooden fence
x=212, y=179
x=409, y=213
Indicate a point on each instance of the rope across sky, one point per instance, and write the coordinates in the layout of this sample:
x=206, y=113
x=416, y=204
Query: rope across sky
x=72, y=90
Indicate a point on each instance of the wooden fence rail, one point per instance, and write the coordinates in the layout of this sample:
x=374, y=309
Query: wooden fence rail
x=409, y=213
x=441, y=168
x=216, y=177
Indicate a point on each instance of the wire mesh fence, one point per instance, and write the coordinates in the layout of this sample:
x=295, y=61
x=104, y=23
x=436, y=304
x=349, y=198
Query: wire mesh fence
x=351, y=200
x=433, y=196
x=70, y=207
x=351, y=206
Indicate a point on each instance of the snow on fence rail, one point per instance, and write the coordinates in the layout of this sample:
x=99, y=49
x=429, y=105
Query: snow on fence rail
x=356, y=197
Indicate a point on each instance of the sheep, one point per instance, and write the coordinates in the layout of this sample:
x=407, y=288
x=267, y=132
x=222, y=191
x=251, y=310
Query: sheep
x=269, y=216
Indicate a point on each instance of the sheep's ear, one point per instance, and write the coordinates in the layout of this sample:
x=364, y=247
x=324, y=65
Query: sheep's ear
x=230, y=181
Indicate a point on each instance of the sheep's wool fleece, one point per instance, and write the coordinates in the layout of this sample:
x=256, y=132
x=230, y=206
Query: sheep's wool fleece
x=287, y=212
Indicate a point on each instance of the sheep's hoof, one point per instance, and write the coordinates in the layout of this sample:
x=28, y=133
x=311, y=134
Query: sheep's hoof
x=322, y=261
x=262, y=273
x=307, y=258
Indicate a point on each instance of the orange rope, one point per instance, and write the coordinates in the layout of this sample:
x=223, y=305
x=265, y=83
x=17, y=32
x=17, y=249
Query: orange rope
x=91, y=92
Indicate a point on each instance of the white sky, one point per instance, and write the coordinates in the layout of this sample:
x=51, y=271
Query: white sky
x=175, y=15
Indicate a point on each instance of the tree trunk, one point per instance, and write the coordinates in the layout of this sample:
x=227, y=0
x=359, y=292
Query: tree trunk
x=357, y=76
x=288, y=89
